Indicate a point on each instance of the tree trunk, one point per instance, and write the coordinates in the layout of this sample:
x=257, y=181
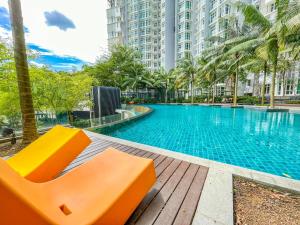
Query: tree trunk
x=192, y=88
x=272, y=99
x=254, y=84
x=213, y=93
x=208, y=95
x=236, y=81
x=263, y=87
x=70, y=118
x=283, y=84
x=166, y=94
x=26, y=103
x=235, y=88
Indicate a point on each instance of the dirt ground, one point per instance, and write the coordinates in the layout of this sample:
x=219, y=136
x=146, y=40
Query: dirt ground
x=256, y=204
x=7, y=149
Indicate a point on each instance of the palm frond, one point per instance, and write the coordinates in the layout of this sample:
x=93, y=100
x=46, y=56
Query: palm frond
x=254, y=17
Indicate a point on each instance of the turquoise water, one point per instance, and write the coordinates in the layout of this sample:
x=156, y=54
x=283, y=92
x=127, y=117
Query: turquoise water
x=268, y=142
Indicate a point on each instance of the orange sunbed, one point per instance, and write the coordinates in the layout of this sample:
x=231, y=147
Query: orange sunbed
x=103, y=191
x=46, y=157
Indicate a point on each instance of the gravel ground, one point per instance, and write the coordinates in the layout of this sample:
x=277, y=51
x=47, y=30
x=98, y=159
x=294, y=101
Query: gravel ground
x=256, y=204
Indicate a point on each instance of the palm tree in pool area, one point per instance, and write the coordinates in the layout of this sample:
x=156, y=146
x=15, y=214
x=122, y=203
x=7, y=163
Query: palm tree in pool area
x=26, y=103
x=163, y=79
x=274, y=33
x=186, y=71
x=136, y=77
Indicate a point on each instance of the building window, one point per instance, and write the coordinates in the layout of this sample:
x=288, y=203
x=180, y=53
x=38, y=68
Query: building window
x=187, y=46
x=212, y=17
x=220, y=91
x=187, y=26
x=273, y=7
x=188, y=5
x=187, y=36
x=188, y=15
x=227, y=9
x=279, y=88
x=289, y=87
x=249, y=83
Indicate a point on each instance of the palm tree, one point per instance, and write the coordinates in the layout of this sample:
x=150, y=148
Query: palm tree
x=26, y=103
x=136, y=77
x=208, y=75
x=186, y=72
x=163, y=79
x=230, y=53
x=256, y=65
x=273, y=33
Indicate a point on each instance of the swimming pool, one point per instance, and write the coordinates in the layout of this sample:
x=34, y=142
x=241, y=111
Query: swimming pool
x=268, y=142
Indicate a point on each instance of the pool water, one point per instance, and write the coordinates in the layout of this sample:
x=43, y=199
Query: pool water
x=264, y=141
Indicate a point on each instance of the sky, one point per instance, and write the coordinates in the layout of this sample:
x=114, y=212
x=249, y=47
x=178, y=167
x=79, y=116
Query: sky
x=66, y=33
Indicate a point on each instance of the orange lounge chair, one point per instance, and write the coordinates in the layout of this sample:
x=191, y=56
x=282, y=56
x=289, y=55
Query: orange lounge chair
x=103, y=191
x=46, y=157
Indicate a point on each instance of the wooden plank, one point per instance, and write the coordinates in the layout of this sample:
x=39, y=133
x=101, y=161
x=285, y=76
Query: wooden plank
x=159, y=159
x=78, y=162
x=188, y=208
x=94, y=150
x=86, y=157
x=161, y=167
x=141, y=153
x=134, y=151
x=147, y=155
x=154, y=156
x=161, y=180
x=169, y=212
x=153, y=210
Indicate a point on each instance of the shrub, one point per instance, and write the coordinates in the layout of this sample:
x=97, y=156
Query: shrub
x=200, y=99
x=293, y=102
x=248, y=100
x=187, y=100
x=218, y=99
x=81, y=123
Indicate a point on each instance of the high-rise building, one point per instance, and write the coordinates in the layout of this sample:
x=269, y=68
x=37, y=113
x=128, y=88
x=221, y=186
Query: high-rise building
x=165, y=31
x=115, y=23
x=167, y=34
x=137, y=24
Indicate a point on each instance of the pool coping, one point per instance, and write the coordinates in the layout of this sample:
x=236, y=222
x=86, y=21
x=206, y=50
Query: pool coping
x=215, y=208
x=136, y=117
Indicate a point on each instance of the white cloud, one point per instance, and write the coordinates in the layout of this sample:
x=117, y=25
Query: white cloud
x=36, y=64
x=86, y=42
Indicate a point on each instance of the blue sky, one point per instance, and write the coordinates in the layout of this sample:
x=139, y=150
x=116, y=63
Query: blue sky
x=64, y=37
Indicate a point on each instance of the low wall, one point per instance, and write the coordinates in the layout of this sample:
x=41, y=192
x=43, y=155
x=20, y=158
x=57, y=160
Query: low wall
x=142, y=110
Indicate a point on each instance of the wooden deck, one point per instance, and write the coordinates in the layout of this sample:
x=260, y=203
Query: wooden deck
x=174, y=197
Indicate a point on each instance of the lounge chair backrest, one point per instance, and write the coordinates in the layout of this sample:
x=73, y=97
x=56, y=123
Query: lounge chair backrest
x=50, y=154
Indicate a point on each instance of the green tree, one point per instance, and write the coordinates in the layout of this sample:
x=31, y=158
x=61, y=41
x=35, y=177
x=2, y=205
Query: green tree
x=60, y=92
x=9, y=96
x=163, y=79
x=186, y=71
x=116, y=68
x=274, y=34
x=136, y=76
